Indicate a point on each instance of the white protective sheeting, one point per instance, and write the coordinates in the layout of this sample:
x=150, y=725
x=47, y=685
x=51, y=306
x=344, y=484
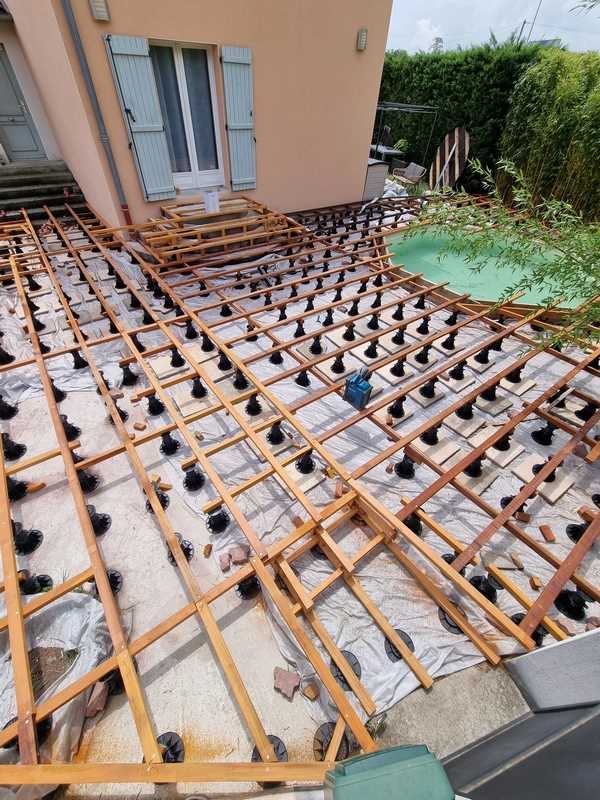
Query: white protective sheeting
x=73, y=622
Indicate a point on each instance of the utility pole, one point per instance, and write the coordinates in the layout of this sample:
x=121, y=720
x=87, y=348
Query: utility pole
x=521, y=31
x=537, y=11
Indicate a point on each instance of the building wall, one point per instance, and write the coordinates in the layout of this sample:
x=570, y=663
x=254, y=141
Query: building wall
x=62, y=92
x=314, y=93
x=18, y=62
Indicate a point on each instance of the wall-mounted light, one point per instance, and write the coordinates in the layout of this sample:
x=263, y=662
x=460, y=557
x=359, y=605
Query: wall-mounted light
x=99, y=9
x=361, y=39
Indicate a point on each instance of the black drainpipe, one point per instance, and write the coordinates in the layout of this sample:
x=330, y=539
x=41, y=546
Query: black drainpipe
x=91, y=91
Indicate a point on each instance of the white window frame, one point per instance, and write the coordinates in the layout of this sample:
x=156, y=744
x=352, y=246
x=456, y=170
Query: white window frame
x=196, y=178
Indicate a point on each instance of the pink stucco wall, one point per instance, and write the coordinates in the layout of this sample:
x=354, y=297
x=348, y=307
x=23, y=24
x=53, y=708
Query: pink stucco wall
x=42, y=41
x=314, y=93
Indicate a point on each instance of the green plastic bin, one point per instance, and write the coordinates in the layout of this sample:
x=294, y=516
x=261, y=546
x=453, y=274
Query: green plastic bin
x=398, y=773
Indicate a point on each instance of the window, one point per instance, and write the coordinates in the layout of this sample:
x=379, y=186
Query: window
x=185, y=83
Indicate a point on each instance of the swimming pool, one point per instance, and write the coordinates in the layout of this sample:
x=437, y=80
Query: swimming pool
x=421, y=253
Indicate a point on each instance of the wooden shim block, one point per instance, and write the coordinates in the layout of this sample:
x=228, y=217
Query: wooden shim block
x=547, y=533
x=393, y=422
x=516, y=559
x=586, y=513
x=310, y=691
x=535, y=583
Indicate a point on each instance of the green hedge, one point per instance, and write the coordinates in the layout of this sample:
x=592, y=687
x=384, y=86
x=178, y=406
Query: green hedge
x=553, y=128
x=471, y=88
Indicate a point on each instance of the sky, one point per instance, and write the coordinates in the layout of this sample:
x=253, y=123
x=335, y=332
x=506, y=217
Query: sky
x=416, y=23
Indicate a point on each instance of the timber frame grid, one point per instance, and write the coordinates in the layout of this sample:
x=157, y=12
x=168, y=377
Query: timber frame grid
x=189, y=250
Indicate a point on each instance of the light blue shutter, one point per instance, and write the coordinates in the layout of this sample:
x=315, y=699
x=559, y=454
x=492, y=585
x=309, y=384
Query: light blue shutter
x=237, y=81
x=134, y=78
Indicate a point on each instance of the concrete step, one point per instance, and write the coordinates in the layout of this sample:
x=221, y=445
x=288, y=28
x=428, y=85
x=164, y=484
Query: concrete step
x=541, y=755
x=39, y=189
x=33, y=167
x=47, y=178
x=35, y=185
x=38, y=212
x=27, y=201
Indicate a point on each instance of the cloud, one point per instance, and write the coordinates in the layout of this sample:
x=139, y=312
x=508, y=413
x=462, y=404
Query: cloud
x=425, y=33
x=414, y=26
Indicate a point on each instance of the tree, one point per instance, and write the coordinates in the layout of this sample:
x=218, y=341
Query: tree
x=543, y=241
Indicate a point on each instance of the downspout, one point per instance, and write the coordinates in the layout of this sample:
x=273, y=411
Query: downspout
x=93, y=97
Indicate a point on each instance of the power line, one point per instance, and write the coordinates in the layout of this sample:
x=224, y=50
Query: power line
x=537, y=11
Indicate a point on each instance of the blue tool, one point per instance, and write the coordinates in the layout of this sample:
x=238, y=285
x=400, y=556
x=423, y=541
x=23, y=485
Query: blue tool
x=358, y=389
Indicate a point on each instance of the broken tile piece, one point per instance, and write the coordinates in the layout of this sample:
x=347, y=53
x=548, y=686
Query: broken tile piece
x=239, y=554
x=98, y=699
x=516, y=560
x=225, y=562
x=285, y=681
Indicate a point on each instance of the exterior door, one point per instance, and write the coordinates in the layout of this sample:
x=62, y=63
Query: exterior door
x=18, y=135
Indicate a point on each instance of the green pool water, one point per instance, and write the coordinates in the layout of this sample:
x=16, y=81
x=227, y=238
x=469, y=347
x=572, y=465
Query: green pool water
x=421, y=253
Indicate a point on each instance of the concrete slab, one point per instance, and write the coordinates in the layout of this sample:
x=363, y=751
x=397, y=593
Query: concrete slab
x=464, y=427
x=552, y=492
x=439, y=452
x=386, y=373
x=519, y=388
x=384, y=417
x=479, y=368
x=483, y=698
x=500, y=457
x=457, y=386
x=425, y=402
x=493, y=407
